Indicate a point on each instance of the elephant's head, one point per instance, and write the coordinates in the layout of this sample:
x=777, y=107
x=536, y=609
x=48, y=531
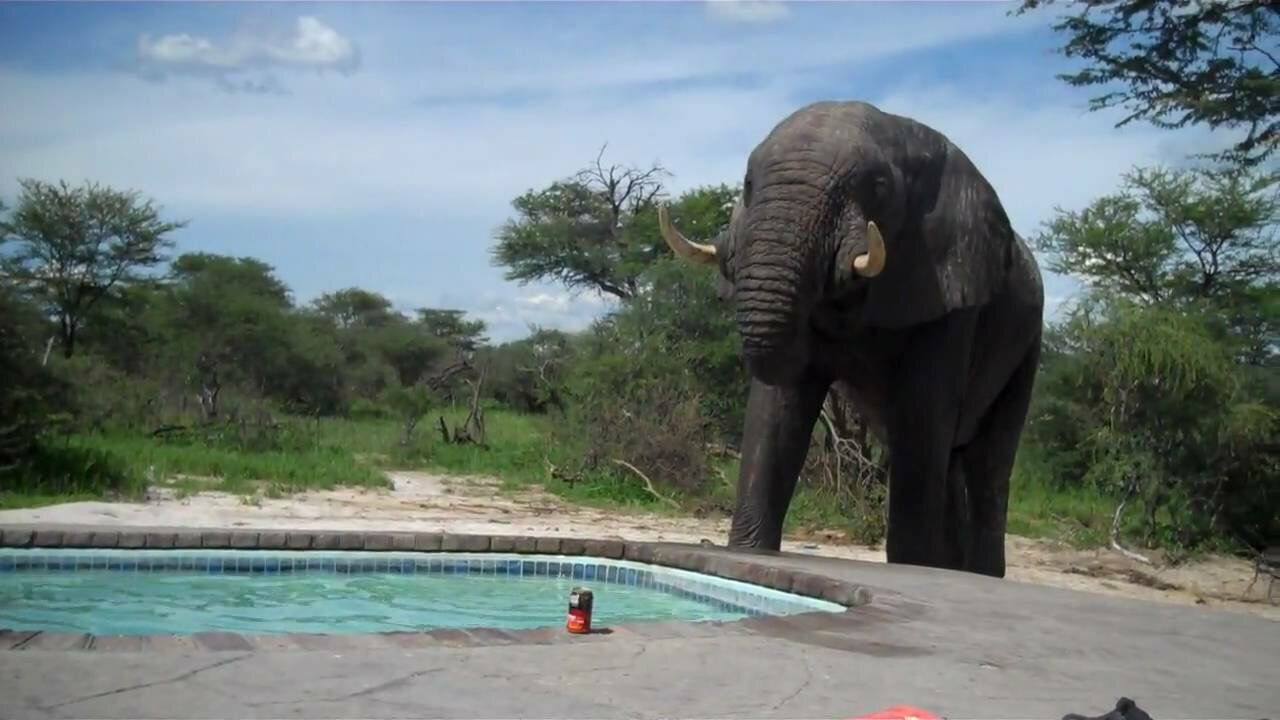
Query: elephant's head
x=843, y=201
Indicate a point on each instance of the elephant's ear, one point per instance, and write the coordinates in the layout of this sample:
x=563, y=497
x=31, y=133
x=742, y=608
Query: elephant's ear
x=955, y=245
x=724, y=287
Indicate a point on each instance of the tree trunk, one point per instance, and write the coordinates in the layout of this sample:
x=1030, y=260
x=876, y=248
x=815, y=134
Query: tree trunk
x=68, y=328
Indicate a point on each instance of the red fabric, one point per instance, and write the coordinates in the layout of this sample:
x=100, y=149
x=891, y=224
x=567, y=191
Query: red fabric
x=899, y=712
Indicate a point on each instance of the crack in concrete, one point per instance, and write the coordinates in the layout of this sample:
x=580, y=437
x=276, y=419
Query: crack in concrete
x=629, y=664
x=27, y=640
x=142, y=686
x=365, y=692
x=394, y=682
x=804, y=685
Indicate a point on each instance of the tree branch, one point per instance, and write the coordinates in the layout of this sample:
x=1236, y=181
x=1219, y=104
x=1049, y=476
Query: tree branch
x=1115, y=536
x=648, y=484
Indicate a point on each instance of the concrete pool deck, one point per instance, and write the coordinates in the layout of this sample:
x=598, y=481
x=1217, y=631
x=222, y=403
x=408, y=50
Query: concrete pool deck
x=960, y=645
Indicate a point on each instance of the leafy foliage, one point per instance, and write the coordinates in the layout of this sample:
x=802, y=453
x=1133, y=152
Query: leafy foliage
x=1153, y=385
x=578, y=231
x=1181, y=62
x=75, y=244
x=1159, y=388
x=529, y=374
x=677, y=333
x=30, y=395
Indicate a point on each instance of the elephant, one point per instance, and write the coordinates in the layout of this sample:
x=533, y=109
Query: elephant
x=867, y=252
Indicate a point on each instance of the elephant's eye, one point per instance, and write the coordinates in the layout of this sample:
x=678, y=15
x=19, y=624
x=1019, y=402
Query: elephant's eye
x=880, y=188
x=746, y=191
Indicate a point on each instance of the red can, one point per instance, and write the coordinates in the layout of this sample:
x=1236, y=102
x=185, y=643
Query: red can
x=579, y=611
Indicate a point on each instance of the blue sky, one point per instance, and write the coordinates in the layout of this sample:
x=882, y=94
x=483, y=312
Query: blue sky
x=379, y=145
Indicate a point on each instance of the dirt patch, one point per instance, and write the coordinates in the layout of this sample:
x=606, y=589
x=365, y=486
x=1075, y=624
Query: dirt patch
x=1132, y=575
x=429, y=502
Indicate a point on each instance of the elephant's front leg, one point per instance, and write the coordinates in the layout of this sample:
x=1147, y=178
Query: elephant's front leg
x=779, y=424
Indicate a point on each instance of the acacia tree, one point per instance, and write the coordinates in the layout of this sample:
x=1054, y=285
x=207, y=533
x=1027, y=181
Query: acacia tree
x=576, y=231
x=353, y=307
x=75, y=244
x=1203, y=240
x=1160, y=386
x=453, y=327
x=1175, y=63
x=228, y=319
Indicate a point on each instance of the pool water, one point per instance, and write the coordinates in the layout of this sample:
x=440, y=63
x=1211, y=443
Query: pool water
x=158, y=592
x=120, y=603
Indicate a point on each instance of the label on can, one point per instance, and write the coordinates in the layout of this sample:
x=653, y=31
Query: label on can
x=579, y=620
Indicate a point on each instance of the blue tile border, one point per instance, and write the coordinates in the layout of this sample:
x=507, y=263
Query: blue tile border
x=703, y=561
x=719, y=593
x=811, y=598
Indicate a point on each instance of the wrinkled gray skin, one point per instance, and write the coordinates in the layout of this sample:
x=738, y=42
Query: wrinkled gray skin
x=939, y=349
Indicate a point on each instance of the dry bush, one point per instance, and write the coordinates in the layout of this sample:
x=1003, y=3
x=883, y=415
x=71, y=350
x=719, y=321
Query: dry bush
x=662, y=432
x=843, y=465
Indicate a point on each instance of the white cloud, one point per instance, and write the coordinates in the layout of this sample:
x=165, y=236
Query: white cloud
x=321, y=156
x=242, y=61
x=748, y=11
x=391, y=145
x=508, y=315
x=537, y=64
x=554, y=302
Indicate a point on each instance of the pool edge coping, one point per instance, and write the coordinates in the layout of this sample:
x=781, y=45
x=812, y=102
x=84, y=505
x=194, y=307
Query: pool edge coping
x=741, y=566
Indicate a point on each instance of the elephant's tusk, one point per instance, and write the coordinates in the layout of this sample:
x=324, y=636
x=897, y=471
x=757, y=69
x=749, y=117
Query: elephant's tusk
x=870, y=263
x=682, y=246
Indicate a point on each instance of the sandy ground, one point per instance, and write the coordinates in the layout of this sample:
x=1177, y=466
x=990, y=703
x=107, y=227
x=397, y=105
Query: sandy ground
x=428, y=502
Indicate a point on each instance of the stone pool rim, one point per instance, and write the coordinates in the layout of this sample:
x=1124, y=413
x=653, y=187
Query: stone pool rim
x=741, y=566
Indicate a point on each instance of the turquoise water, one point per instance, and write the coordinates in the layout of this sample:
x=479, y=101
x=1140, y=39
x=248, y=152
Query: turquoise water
x=110, y=602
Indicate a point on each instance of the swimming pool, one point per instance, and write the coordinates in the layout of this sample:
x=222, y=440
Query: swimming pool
x=140, y=592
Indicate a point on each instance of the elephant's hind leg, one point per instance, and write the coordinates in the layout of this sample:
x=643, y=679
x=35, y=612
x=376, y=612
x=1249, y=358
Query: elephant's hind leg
x=988, y=463
x=956, y=518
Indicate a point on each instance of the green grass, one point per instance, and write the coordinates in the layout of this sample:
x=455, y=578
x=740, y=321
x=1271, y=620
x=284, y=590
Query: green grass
x=517, y=448
x=515, y=445
x=14, y=500
x=1038, y=509
x=114, y=465
x=320, y=467
x=73, y=468
x=329, y=453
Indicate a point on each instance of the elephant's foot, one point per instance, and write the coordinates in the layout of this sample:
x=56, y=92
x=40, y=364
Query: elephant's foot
x=751, y=535
x=900, y=553
x=945, y=560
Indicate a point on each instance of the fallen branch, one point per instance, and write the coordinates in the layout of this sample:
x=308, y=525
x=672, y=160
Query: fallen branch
x=438, y=381
x=166, y=429
x=648, y=484
x=1115, y=536
x=724, y=478
x=723, y=450
x=555, y=473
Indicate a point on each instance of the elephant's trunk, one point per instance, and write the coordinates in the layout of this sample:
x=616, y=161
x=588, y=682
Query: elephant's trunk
x=770, y=290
